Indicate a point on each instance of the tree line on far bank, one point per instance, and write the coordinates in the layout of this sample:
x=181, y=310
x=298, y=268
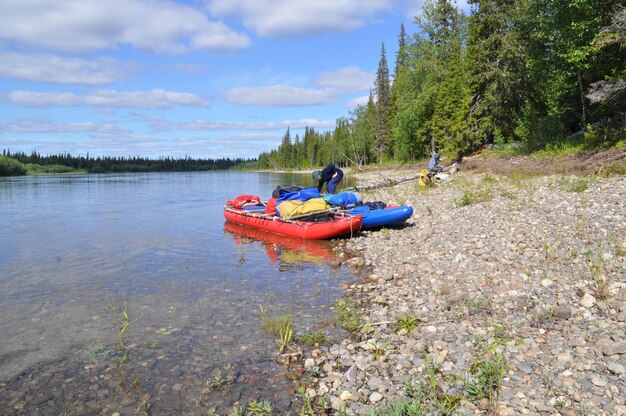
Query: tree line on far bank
x=533, y=73
x=19, y=163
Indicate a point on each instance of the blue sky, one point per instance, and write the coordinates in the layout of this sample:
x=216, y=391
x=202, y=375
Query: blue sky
x=204, y=78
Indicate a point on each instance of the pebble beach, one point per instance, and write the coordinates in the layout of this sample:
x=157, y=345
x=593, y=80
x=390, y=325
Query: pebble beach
x=501, y=295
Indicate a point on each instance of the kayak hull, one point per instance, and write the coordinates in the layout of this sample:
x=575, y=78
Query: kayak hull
x=340, y=225
x=388, y=217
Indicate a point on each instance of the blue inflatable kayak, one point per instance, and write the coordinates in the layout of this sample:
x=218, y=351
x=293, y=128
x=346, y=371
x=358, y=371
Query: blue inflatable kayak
x=388, y=217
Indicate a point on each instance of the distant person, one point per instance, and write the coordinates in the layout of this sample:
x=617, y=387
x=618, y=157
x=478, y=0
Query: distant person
x=433, y=165
x=331, y=175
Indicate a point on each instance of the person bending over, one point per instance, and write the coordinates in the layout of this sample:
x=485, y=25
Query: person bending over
x=433, y=165
x=331, y=175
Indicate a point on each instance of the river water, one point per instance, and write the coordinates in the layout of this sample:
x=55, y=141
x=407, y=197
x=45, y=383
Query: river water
x=94, y=265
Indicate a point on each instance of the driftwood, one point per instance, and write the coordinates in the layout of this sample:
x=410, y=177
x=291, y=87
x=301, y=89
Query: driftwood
x=388, y=183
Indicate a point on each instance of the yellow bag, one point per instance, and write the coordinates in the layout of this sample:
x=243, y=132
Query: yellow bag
x=424, y=178
x=296, y=207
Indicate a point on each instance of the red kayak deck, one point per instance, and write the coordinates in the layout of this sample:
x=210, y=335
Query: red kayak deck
x=341, y=224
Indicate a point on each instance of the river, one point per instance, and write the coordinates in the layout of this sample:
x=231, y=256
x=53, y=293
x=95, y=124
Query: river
x=95, y=265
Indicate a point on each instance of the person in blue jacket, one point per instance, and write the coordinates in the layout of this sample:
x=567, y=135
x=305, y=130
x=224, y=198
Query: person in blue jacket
x=331, y=175
x=433, y=165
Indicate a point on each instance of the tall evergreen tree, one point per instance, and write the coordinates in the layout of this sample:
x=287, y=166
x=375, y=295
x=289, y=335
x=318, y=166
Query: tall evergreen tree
x=402, y=54
x=383, y=100
x=285, y=150
x=499, y=85
x=401, y=66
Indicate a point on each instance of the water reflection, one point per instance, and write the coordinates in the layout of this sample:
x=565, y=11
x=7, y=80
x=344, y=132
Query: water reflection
x=285, y=251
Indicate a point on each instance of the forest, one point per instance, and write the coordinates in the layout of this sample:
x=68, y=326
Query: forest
x=19, y=163
x=527, y=74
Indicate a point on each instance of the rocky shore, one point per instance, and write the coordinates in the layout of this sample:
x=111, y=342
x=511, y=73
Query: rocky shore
x=500, y=296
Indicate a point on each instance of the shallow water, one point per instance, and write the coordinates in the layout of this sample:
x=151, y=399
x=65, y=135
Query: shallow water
x=76, y=249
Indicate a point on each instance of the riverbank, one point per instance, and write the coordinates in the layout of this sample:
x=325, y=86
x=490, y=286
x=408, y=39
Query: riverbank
x=500, y=296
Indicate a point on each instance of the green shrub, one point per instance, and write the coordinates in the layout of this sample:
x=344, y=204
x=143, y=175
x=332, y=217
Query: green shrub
x=597, y=137
x=11, y=167
x=348, y=315
x=34, y=169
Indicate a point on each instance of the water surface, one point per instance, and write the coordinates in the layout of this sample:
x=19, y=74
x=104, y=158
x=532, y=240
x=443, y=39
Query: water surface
x=78, y=251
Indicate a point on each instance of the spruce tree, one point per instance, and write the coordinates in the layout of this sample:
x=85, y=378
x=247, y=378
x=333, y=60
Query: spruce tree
x=383, y=100
x=499, y=86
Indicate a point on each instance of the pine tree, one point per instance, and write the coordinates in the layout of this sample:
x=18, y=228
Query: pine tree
x=383, y=99
x=499, y=86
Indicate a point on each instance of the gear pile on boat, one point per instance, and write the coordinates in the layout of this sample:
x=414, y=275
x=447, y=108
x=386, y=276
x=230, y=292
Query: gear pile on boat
x=305, y=213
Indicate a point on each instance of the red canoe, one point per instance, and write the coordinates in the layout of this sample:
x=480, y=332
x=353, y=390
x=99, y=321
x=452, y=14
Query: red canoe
x=337, y=225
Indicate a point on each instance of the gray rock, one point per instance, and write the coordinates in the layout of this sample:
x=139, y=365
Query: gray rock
x=615, y=349
x=598, y=381
x=375, y=397
x=351, y=374
x=616, y=368
x=564, y=312
x=587, y=301
x=524, y=368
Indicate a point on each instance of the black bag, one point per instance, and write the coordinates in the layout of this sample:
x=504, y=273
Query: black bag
x=376, y=205
x=276, y=192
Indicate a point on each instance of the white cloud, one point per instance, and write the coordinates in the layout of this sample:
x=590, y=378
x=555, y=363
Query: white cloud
x=46, y=125
x=358, y=101
x=155, y=98
x=52, y=68
x=236, y=125
x=348, y=79
x=278, y=96
x=332, y=84
x=157, y=25
x=278, y=18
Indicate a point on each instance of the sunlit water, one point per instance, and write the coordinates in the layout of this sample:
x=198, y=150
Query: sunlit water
x=75, y=248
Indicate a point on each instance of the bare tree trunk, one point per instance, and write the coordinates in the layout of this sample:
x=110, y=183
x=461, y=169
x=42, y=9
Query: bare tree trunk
x=582, y=99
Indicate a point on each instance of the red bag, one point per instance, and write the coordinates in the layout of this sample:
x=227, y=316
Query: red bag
x=246, y=200
x=270, y=208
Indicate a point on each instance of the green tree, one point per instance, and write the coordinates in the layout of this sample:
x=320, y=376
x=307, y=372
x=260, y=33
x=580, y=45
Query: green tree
x=383, y=101
x=564, y=62
x=499, y=85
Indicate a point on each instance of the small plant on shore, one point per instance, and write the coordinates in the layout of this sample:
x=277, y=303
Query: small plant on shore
x=408, y=323
x=379, y=349
x=122, y=323
x=220, y=379
x=600, y=281
x=474, y=197
x=262, y=408
x=237, y=411
x=347, y=315
x=286, y=335
x=573, y=184
x=311, y=338
x=551, y=252
x=489, y=177
x=99, y=352
x=485, y=380
x=479, y=305
x=426, y=396
x=543, y=318
x=308, y=405
x=273, y=325
x=216, y=381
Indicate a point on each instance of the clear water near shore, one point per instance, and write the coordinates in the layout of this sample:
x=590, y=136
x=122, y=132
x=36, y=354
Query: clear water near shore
x=156, y=246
